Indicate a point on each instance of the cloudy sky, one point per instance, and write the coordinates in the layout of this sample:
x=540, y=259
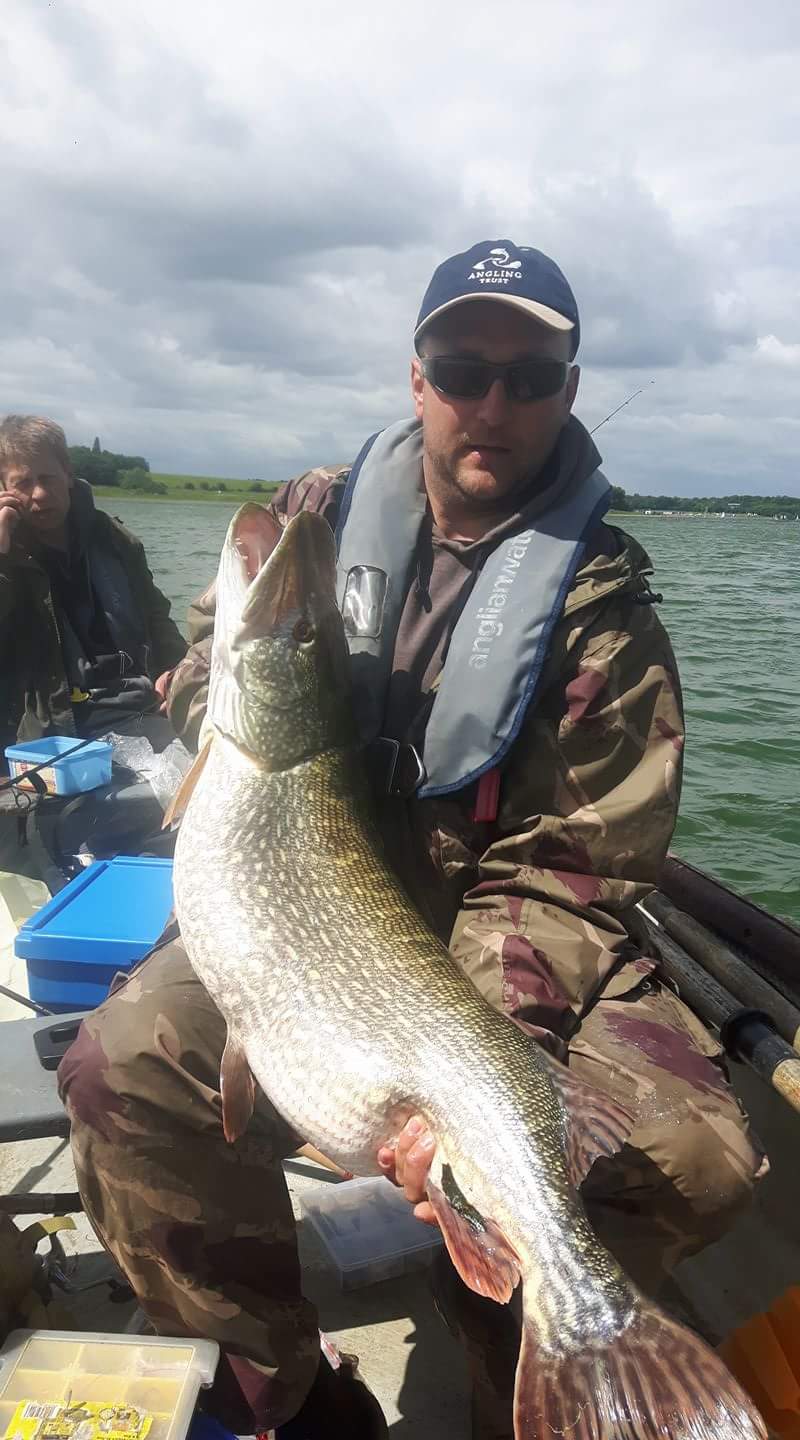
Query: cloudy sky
x=220, y=218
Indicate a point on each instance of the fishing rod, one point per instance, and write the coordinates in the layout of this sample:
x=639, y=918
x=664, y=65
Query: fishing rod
x=622, y=406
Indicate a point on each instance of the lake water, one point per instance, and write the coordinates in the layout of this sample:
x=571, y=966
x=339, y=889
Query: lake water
x=731, y=597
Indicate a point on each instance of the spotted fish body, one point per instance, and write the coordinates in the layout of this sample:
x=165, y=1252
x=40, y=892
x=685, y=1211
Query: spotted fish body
x=351, y=1015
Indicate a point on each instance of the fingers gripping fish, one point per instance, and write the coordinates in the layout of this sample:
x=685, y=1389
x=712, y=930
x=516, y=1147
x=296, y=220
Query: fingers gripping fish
x=351, y=1016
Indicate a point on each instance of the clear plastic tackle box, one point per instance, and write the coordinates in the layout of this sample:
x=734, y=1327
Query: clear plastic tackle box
x=369, y=1230
x=62, y=1385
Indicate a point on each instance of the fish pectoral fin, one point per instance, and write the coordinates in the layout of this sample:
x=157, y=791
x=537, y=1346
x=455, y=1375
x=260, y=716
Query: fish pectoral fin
x=483, y=1257
x=652, y=1379
x=185, y=790
x=237, y=1087
x=596, y=1124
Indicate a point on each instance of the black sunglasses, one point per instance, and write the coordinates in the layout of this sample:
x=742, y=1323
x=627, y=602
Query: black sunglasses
x=468, y=379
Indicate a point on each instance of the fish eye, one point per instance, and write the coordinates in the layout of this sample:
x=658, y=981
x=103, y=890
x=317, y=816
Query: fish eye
x=303, y=632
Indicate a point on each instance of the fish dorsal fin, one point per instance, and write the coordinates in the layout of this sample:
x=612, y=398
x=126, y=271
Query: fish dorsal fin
x=237, y=1087
x=483, y=1257
x=595, y=1124
x=185, y=790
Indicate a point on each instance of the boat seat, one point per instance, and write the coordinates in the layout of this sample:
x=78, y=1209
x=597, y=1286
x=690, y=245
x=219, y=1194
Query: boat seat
x=29, y=1105
x=31, y=1050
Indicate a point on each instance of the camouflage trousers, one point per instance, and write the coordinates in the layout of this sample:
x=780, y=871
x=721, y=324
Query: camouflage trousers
x=204, y=1230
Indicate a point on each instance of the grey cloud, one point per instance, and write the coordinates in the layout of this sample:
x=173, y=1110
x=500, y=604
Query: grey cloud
x=647, y=296
x=228, y=282
x=138, y=80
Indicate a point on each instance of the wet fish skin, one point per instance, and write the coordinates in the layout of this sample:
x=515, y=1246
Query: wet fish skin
x=352, y=1016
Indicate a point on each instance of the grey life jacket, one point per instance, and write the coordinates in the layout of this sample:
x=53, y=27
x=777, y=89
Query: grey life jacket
x=499, y=644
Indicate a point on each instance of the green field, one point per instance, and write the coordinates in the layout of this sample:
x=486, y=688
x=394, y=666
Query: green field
x=188, y=487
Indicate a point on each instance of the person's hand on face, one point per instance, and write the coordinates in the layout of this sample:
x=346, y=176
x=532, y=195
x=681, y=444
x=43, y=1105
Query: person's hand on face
x=11, y=512
x=38, y=488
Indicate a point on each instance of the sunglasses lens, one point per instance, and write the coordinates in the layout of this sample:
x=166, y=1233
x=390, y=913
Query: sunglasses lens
x=466, y=379
x=536, y=379
x=470, y=379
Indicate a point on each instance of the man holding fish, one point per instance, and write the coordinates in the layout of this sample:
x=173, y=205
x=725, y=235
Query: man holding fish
x=519, y=727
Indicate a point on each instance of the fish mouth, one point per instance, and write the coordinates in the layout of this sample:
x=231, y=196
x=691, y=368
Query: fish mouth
x=281, y=574
x=276, y=587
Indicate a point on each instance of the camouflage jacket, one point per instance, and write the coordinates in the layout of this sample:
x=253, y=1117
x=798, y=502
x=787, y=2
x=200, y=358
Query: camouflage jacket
x=34, y=688
x=533, y=905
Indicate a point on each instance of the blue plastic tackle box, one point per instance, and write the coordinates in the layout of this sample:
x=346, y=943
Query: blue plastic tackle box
x=104, y=920
x=66, y=775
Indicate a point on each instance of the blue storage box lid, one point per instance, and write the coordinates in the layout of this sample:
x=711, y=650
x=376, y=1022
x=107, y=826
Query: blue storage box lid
x=55, y=748
x=113, y=913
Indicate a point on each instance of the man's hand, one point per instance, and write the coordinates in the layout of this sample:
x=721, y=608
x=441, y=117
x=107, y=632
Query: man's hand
x=11, y=512
x=161, y=685
x=408, y=1164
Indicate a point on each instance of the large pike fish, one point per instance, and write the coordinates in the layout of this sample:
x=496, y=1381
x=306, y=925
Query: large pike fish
x=351, y=1015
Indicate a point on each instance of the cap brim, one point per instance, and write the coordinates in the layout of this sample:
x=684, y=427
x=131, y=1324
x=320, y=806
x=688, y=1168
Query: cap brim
x=543, y=313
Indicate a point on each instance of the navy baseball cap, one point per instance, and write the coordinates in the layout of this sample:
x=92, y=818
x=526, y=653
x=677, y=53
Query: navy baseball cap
x=513, y=274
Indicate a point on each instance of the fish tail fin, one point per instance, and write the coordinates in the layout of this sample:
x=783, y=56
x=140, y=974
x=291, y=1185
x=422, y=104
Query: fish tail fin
x=653, y=1380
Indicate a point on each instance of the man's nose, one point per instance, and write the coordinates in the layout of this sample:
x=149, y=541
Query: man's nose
x=494, y=407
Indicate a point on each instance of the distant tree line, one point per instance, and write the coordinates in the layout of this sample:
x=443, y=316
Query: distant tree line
x=768, y=505
x=106, y=467
x=256, y=487
x=137, y=478
x=132, y=472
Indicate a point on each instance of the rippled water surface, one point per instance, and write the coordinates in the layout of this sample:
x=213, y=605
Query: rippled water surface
x=731, y=598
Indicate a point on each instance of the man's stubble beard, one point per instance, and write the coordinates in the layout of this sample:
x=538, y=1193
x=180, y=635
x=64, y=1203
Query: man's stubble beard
x=446, y=473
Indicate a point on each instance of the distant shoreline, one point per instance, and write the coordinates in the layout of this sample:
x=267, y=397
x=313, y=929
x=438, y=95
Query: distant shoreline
x=237, y=496
x=233, y=497
x=696, y=515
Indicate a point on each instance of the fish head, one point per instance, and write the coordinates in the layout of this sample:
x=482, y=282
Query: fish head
x=280, y=673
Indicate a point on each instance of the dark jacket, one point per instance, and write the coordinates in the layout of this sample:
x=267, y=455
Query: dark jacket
x=35, y=652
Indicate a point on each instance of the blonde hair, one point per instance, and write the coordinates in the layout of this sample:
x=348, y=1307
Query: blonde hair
x=21, y=436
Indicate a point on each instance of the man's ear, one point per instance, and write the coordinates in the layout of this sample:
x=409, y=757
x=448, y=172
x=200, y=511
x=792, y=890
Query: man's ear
x=572, y=385
x=417, y=386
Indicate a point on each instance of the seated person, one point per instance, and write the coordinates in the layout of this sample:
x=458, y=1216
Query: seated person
x=86, y=637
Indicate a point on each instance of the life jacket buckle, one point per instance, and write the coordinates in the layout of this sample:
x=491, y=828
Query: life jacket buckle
x=394, y=769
